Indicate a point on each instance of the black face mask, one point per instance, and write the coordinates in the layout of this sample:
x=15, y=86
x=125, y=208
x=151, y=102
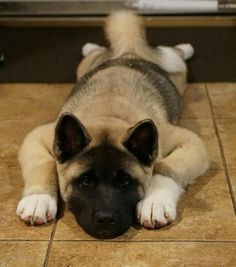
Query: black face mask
x=104, y=207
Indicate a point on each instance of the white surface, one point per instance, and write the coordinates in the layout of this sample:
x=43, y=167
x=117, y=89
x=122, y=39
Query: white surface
x=177, y=5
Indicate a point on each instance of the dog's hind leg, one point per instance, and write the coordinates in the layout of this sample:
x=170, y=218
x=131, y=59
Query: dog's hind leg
x=39, y=202
x=186, y=158
x=89, y=48
x=172, y=60
x=94, y=55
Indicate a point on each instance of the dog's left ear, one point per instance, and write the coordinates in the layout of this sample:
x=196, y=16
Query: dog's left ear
x=142, y=141
x=71, y=137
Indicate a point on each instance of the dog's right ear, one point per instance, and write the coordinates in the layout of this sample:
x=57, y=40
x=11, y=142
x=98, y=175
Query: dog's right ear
x=71, y=137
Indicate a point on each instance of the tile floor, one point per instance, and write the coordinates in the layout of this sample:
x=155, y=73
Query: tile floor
x=204, y=233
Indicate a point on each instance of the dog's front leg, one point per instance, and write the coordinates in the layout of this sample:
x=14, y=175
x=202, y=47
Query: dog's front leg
x=39, y=202
x=158, y=208
x=186, y=158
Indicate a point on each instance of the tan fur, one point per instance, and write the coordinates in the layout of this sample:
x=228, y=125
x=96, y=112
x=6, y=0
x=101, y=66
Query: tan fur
x=37, y=161
x=182, y=155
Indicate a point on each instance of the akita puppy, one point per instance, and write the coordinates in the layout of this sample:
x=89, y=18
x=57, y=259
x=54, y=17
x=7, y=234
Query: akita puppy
x=115, y=151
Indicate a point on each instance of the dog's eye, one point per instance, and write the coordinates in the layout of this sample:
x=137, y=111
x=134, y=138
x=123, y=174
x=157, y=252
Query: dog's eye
x=126, y=183
x=86, y=181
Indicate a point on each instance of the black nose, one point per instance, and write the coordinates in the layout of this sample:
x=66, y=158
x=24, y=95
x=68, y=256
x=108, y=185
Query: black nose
x=106, y=218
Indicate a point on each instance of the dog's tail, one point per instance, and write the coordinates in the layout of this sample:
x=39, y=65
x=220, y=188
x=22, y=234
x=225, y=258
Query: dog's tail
x=125, y=32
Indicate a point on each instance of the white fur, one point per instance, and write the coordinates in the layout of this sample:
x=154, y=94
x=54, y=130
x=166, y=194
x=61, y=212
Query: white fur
x=88, y=48
x=171, y=61
x=36, y=208
x=158, y=207
x=186, y=49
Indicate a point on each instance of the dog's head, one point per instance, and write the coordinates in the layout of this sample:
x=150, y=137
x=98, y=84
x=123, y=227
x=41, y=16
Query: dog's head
x=103, y=181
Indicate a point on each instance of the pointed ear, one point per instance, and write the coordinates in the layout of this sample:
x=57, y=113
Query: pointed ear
x=142, y=141
x=71, y=137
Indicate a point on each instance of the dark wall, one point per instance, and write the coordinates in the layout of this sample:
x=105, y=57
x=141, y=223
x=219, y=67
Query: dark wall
x=52, y=54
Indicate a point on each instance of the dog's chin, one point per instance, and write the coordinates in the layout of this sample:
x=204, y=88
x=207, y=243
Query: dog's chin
x=105, y=234
x=102, y=232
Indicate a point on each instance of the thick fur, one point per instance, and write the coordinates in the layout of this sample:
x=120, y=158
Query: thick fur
x=98, y=132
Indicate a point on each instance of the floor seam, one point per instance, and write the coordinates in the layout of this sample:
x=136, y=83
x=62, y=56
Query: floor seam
x=119, y=241
x=150, y=241
x=24, y=240
x=221, y=150
x=45, y=264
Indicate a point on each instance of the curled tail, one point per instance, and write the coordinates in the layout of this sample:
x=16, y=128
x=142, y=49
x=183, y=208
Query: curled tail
x=125, y=32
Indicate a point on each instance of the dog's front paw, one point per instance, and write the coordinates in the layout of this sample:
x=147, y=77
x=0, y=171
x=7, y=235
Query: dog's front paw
x=158, y=208
x=37, y=209
x=154, y=212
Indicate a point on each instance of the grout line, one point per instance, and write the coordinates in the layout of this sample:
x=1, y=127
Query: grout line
x=45, y=264
x=121, y=241
x=221, y=150
x=24, y=240
x=149, y=241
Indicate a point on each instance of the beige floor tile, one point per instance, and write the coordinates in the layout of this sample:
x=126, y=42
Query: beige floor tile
x=232, y=177
x=148, y=254
x=195, y=102
x=11, y=186
x=205, y=129
x=227, y=130
x=205, y=213
x=27, y=108
x=31, y=90
x=23, y=101
x=23, y=254
x=223, y=96
x=12, y=134
x=21, y=109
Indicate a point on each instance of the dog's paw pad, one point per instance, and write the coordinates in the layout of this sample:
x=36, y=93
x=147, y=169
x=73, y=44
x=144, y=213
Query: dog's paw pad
x=37, y=209
x=170, y=213
x=26, y=219
x=49, y=217
x=154, y=213
x=38, y=221
x=148, y=224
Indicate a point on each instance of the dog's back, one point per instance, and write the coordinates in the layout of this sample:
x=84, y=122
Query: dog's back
x=130, y=81
x=126, y=34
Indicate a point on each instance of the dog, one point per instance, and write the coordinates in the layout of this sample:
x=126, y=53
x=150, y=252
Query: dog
x=115, y=151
